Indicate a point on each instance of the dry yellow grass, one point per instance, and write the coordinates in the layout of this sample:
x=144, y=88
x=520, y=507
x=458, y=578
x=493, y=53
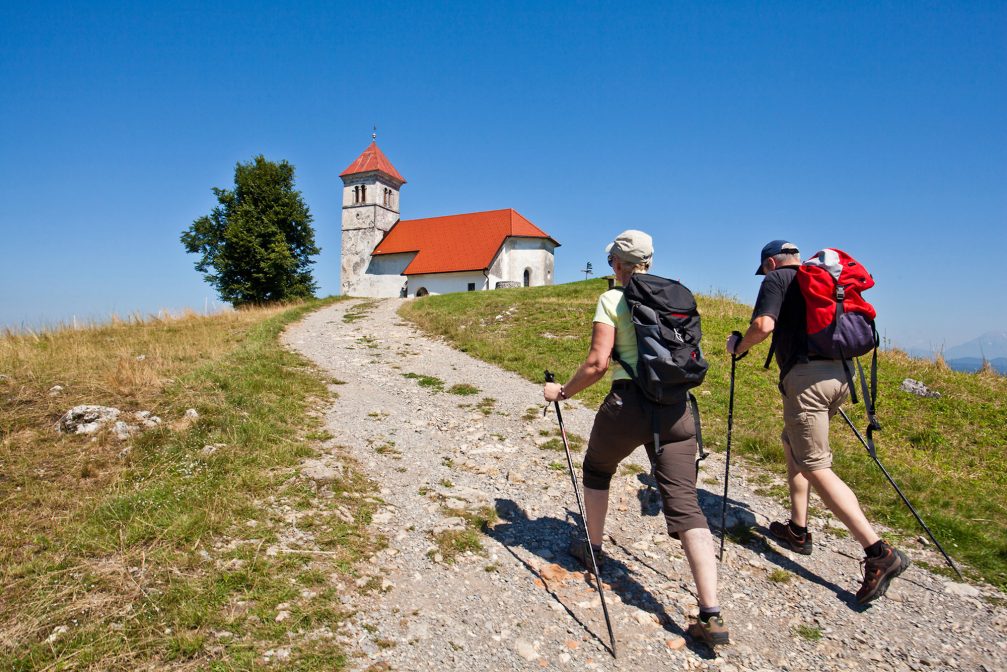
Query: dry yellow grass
x=127, y=364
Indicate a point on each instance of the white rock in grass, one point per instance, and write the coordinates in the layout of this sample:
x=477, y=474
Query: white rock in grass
x=122, y=431
x=321, y=472
x=86, y=419
x=147, y=419
x=56, y=633
x=192, y=414
x=55, y=390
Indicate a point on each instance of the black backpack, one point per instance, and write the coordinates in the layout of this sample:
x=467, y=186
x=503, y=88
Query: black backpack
x=666, y=320
x=669, y=361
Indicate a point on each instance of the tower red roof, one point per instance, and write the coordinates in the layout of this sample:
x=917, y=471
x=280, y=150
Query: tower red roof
x=373, y=159
x=466, y=242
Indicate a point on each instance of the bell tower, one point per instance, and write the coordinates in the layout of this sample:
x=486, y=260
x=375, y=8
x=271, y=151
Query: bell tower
x=370, y=208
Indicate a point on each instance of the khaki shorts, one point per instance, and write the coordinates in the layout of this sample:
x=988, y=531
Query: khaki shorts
x=812, y=394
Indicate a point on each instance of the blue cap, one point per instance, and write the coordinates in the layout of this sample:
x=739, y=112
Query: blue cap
x=773, y=248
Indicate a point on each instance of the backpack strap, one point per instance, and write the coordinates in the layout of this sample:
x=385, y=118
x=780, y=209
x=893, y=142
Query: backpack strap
x=655, y=421
x=769, y=357
x=615, y=353
x=699, y=431
x=848, y=370
x=631, y=372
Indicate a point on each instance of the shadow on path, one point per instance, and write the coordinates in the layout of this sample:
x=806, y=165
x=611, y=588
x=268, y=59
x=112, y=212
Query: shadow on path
x=516, y=529
x=742, y=530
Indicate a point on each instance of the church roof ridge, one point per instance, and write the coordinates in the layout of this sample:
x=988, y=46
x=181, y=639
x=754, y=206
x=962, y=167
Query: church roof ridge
x=373, y=159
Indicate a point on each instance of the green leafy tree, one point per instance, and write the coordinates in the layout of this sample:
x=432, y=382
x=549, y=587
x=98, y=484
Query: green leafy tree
x=257, y=244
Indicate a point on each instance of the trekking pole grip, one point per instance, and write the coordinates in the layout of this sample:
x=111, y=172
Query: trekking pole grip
x=734, y=357
x=550, y=377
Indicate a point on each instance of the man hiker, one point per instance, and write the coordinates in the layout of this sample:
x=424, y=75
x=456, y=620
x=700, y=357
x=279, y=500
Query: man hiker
x=813, y=389
x=624, y=422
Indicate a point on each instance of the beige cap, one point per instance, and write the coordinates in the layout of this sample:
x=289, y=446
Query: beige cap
x=633, y=247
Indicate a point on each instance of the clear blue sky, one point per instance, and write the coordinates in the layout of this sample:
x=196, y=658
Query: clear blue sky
x=876, y=127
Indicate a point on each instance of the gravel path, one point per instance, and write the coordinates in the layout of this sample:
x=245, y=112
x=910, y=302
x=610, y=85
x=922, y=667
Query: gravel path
x=521, y=604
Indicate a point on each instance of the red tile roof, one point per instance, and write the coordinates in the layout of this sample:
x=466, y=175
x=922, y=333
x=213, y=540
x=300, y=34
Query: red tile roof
x=457, y=242
x=372, y=159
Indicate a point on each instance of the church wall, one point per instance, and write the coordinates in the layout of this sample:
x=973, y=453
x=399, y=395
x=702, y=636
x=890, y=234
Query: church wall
x=446, y=283
x=357, y=245
x=383, y=276
x=521, y=253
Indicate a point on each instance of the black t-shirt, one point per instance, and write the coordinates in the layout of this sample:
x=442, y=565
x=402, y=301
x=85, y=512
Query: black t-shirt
x=780, y=298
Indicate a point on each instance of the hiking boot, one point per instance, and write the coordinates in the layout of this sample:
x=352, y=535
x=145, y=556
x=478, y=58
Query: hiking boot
x=712, y=633
x=578, y=549
x=879, y=572
x=798, y=543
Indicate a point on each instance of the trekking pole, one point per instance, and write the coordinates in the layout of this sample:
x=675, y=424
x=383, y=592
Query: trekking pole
x=874, y=455
x=550, y=378
x=727, y=461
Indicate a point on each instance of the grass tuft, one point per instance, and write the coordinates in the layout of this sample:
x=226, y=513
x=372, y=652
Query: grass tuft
x=809, y=632
x=431, y=382
x=463, y=389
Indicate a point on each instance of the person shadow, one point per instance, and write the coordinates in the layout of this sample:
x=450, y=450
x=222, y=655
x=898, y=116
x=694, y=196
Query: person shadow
x=743, y=530
x=548, y=537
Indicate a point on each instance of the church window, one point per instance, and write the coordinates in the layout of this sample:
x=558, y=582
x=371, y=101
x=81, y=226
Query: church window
x=356, y=194
x=472, y=286
x=363, y=193
x=527, y=277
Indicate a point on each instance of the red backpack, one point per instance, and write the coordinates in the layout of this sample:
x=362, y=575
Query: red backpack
x=840, y=323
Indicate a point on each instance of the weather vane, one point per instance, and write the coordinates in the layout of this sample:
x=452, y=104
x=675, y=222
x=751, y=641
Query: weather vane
x=374, y=135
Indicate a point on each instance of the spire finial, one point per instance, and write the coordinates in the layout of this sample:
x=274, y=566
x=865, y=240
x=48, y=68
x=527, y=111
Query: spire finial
x=374, y=135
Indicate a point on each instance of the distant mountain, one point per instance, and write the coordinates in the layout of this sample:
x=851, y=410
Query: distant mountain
x=973, y=364
x=991, y=345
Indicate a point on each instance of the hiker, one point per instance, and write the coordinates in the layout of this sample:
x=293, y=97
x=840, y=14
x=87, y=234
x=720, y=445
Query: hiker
x=813, y=389
x=625, y=421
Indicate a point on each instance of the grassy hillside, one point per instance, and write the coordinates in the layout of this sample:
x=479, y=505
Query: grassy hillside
x=151, y=553
x=947, y=454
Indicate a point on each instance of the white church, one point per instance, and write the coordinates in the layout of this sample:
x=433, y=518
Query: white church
x=384, y=256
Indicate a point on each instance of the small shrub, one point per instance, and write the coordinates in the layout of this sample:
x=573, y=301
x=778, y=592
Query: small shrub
x=809, y=632
x=463, y=389
x=780, y=576
x=431, y=382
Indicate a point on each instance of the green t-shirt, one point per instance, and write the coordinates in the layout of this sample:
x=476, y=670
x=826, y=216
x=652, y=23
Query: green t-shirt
x=613, y=311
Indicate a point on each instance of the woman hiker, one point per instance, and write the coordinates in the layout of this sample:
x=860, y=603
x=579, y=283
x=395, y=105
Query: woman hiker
x=624, y=422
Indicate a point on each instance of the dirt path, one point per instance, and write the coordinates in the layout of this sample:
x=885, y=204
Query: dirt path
x=520, y=603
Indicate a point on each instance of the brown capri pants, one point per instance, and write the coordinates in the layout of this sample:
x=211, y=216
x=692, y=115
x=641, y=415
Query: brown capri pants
x=624, y=423
x=812, y=394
